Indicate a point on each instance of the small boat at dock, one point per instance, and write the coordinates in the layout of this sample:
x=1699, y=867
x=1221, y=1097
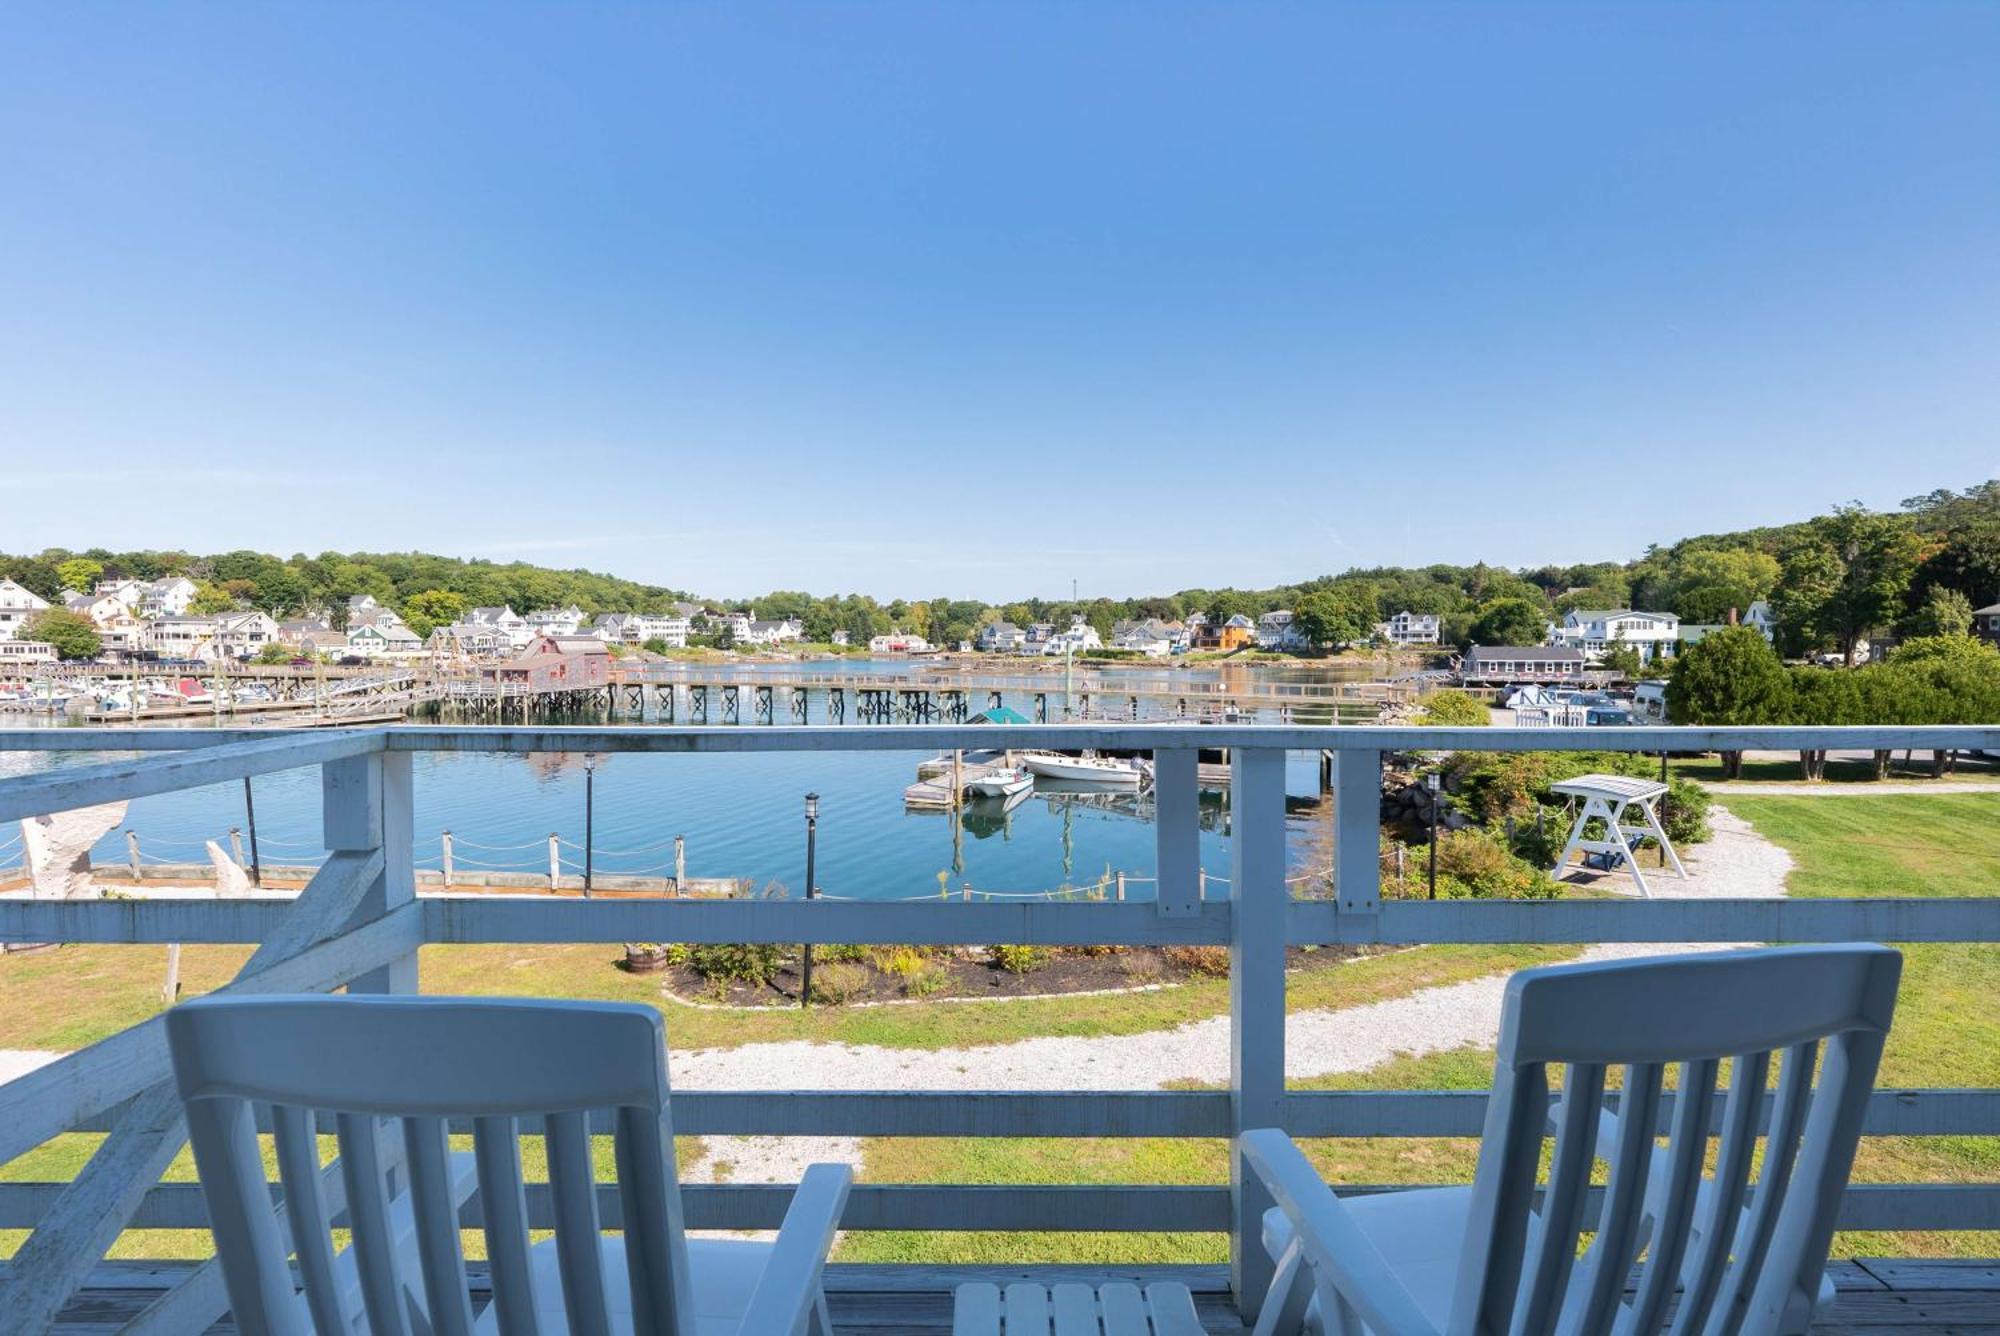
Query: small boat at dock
x=1000, y=784
x=1107, y=771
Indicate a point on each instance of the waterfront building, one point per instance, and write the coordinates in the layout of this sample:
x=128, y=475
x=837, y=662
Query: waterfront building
x=1149, y=636
x=556, y=621
x=1597, y=632
x=899, y=642
x=1410, y=628
x=1001, y=637
x=1521, y=663
x=17, y=655
x=18, y=605
x=1279, y=629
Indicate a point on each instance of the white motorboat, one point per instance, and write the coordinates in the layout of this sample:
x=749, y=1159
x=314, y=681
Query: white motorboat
x=1104, y=770
x=1000, y=784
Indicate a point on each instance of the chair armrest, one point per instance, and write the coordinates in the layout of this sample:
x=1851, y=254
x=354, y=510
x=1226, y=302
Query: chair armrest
x=789, y=1287
x=1334, y=1246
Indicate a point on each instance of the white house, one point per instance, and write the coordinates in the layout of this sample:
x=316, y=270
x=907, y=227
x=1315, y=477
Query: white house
x=116, y=627
x=1279, y=629
x=1002, y=637
x=179, y=638
x=17, y=606
x=170, y=596
x=1149, y=636
x=241, y=634
x=1410, y=628
x=774, y=632
x=1080, y=636
x=132, y=593
x=506, y=620
x=671, y=627
x=1761, y=617
x=480, y=640
x=556, y=621
x=1597, y=632
x=363, y=610
x=737, y=624
x=899, y=642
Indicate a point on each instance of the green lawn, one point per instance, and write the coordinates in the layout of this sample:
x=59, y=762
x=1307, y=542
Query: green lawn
x=76, y=995
x=1947, y=1034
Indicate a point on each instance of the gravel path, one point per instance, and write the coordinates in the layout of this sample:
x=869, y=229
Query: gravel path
x=1737, y=863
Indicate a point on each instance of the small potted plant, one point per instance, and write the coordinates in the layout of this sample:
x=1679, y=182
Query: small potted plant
x=647, y=957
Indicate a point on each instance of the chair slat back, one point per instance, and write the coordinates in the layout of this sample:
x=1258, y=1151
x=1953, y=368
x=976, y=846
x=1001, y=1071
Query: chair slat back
x=392, y=1072
x=1742, y=1240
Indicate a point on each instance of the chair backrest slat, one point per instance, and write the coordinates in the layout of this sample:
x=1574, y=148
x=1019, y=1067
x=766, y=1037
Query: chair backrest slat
x=1729, y=1185
x=368, y=1216
x=295, y=1135
x=223, y=1133
x=438, y=1252
x=1826, y=1156
x=1781, y=1144
x=1674, y=1195
x=503, y=1201
x=652, y=1220
x=1503, y=1190
x=573, y=1193
x=1563, y=1202
x=1620, y=1224
x=399, y=1068
x=1744, y=1259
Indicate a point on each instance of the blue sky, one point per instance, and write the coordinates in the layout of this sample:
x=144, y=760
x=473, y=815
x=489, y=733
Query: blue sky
x=980, y=298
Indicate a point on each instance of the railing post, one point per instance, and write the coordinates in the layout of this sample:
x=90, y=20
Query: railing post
x=444, y=841
x=367, y=805
x=1258, y=897
x=1357, y=841
x=1177, y=831
x=555, y=862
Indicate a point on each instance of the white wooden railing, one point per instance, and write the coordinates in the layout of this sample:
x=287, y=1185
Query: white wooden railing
x=359, y=923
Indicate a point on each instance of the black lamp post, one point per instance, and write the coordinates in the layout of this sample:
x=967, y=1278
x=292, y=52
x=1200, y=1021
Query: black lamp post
x=589, y=817
x=812, y=839
x=250, y=812
x=1431, y=783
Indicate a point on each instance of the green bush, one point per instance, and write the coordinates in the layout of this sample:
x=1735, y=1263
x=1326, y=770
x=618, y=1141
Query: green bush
x=1454, y=709
x=1021, y=959
x=840, y=951
x=1473, y=864
x=734, y=962
x=1492, y=786
x=841, y=981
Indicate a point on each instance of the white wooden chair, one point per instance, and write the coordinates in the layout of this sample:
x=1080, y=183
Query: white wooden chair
x=1746, y=1257
x=508, y=1066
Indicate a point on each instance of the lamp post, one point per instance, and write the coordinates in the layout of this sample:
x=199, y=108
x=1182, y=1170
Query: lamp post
x=589, y=817
x=812, y=891
x=250, y=812
x=1431, y=783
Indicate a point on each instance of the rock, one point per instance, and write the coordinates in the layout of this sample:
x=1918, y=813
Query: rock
x=231, y=881
x=58, y=849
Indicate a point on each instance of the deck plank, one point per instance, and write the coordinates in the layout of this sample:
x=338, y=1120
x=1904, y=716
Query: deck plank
x=1878, y=1297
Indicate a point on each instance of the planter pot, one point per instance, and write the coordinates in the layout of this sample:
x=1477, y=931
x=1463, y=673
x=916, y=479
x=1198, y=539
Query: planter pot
x=645, y=962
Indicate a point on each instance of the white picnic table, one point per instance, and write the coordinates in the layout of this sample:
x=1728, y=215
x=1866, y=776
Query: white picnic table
x=1609, y=797
x=1120, y=1309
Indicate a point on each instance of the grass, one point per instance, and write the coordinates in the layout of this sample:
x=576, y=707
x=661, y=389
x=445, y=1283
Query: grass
x=1947, y=1034
x=77, y=995
x=1764, y=769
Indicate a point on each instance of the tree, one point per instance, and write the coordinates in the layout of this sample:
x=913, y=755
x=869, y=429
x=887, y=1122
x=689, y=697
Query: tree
x=1849, y=574
x=275, y=652
x=1824, y=697
x=79, y=573
x=431, y=609
x=73, y=635
x=1730, y=677
x=1623, y=660
x=1508, y=621
x=210, y=599
x=1943, y=612
x=1327, y=620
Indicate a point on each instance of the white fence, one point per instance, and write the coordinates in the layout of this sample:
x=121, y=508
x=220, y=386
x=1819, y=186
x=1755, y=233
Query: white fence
x=359, y=923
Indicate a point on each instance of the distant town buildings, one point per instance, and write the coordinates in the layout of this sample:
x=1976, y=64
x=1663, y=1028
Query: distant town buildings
x=1411, y=628
x=1596, y=633
x=18, y=606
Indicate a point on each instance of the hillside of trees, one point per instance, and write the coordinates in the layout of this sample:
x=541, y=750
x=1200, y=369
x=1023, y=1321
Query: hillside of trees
x=1832, y=580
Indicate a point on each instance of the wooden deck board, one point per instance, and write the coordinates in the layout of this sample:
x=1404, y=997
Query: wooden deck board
x=1878, y=1297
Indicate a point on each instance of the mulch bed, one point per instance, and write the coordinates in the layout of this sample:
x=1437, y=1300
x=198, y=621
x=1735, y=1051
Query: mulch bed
x=971, y=973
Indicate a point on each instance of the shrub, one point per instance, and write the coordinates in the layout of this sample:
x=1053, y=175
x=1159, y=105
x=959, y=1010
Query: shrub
x=841, y=981
x=925, y=980
x=1211, y=961
x=1492, y=786
x=1456, y=709
x=901, y=962
x=1473, y=864
x=1022, y=959
x=840, y=951
x=734, y=962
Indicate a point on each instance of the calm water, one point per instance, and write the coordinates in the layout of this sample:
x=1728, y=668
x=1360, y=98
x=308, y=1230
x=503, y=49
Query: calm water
x=742, y=816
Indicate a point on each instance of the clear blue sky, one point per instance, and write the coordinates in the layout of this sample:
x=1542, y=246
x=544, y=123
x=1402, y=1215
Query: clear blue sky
x=977, y=298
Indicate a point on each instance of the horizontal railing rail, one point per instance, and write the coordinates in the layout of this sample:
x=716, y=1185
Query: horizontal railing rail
x=361, y=923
